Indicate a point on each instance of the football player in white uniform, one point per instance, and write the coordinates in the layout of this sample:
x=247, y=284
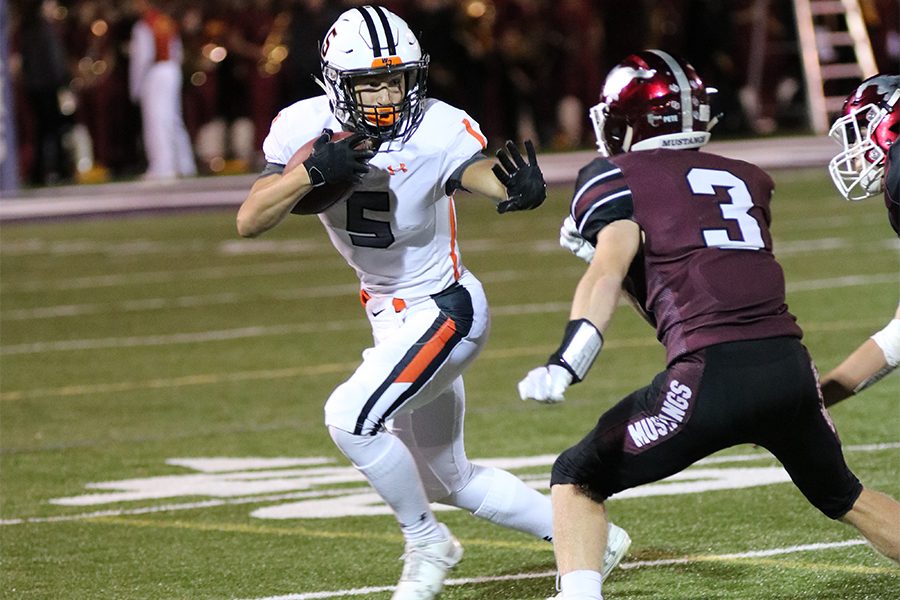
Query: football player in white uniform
x=399, y=417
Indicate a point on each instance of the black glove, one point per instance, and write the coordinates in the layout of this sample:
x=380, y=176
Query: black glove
x=339, y=161
x=524, y=182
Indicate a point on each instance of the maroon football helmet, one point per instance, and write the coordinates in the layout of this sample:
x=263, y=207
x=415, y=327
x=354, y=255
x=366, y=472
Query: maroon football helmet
x=868, y=126
x=652, y=100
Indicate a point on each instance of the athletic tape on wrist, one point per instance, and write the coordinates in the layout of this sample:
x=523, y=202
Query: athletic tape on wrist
x=874, y=378
x=888, y=339
x=580, y=346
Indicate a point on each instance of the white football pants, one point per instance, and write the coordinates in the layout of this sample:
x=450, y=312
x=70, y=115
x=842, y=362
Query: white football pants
x=410, y=386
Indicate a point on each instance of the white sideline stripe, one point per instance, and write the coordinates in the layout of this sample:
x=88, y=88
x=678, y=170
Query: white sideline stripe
x=347, y=491
x=345, y=325
x=549, y=574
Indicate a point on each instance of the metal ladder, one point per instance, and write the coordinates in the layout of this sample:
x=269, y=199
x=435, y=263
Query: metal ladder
x=832, y=26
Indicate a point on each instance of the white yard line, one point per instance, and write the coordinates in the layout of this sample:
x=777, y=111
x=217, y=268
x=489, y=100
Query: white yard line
x=552, y=574
x=274, y=330
x=151, y=277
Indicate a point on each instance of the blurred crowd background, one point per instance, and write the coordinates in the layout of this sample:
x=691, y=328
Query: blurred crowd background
x=522, y=68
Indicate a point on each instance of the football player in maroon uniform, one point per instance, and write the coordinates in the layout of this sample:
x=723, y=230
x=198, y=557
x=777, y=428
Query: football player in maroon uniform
x=867, y=165
x=685, y=234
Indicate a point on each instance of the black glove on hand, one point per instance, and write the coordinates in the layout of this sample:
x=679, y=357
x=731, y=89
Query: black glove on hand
x=339, y=161
x=524, y=182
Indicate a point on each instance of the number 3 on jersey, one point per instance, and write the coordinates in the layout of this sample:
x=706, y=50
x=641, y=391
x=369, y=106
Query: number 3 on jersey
x=703, y=182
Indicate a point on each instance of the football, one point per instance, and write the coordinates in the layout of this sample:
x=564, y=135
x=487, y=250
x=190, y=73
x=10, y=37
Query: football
x=322, y=197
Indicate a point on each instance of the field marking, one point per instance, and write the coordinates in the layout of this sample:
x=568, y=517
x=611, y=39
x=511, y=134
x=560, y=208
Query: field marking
x=339, y=367
x=817, y=567
x=342, y=325
x=327, y=291
x=337, y=290
x=237, y=333
x=751, y=556
x=165, y=508
x=154, y=277
x=539, y=546
x=38, y=247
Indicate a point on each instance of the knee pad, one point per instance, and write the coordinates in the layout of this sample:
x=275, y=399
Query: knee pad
x=344, y=405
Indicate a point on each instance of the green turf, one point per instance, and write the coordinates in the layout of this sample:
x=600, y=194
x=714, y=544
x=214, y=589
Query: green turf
x=109, y=368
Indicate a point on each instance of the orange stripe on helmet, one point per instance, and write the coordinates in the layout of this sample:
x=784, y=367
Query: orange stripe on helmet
x=428, y=353
x=386, y=61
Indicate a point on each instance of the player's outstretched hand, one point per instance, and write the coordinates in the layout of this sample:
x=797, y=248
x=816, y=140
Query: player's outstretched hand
x=524, y=182
x=545, y=384
x=571, y=240
x=340, y=161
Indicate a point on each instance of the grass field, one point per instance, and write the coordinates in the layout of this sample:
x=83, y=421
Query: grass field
x=161, y=415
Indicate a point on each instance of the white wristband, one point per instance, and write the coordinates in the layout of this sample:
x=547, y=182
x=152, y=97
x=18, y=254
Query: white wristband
x=888, y=339
x=580, y=346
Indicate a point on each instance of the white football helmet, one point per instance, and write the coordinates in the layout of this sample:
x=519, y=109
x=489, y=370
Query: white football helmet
x=366, y=41
x=869, y=125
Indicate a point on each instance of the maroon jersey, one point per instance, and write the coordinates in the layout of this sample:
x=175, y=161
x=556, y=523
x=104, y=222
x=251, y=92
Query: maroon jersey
x=892, y=187
x=705, y=273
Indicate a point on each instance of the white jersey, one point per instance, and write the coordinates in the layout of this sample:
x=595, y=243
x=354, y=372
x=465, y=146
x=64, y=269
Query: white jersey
x=397, y=228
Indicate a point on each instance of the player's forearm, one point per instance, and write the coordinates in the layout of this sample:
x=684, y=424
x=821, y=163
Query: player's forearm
x=478, y=177
x=875, y=358
x=596, y=298
x=270, y=200
x=598, y=291
x=857, y=370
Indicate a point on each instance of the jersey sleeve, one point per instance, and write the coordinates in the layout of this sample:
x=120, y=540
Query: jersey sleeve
x=294, y=126
x=465, y=142
x=601, y=197
x=275, y=147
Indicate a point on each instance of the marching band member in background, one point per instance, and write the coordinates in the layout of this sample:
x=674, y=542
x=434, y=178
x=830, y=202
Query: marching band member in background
x=155, y=84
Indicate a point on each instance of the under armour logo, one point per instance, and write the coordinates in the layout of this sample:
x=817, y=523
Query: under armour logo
x=402, y=168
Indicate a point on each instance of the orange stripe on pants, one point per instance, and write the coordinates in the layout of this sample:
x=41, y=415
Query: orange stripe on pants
x=428, y=352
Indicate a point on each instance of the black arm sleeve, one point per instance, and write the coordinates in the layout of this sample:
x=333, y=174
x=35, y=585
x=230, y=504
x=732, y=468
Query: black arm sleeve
x=271, y=169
